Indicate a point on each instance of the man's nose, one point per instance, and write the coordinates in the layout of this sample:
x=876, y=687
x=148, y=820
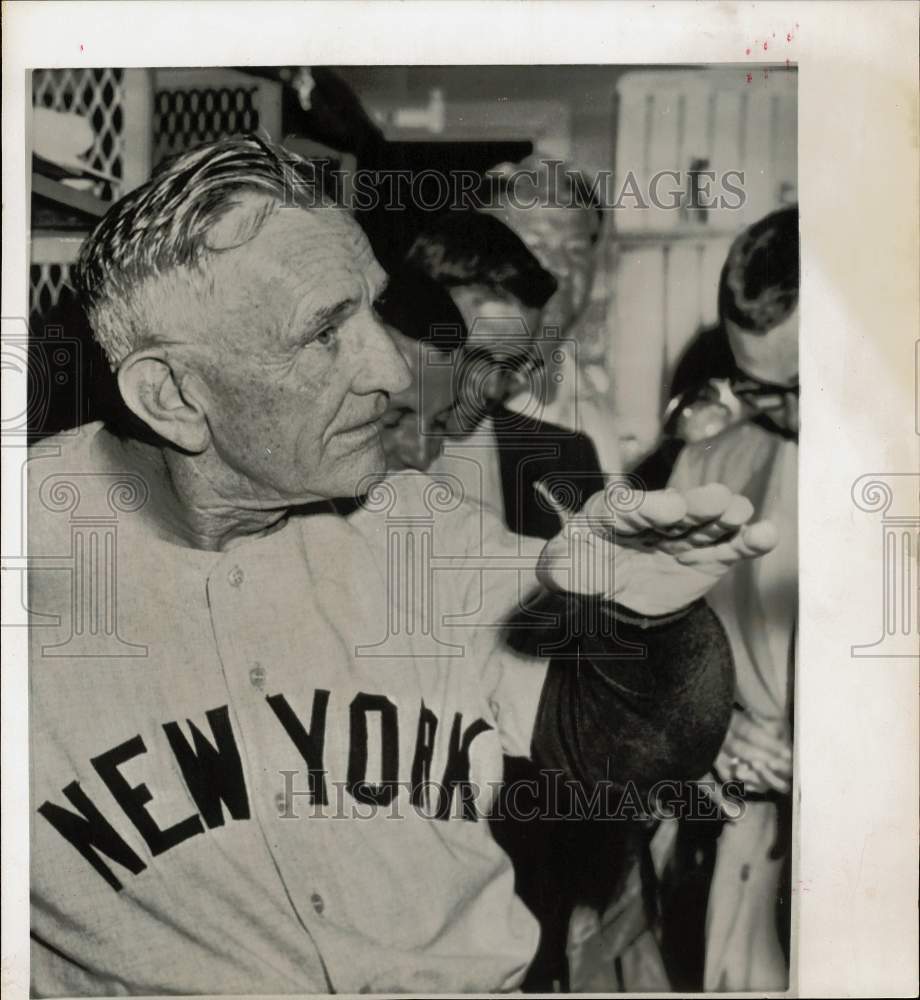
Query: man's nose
x=383, y=368
x=408, y=396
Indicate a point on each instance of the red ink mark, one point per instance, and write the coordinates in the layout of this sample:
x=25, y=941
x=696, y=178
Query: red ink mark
x=81, y=46
x=766, y=75
x=765, y=46
x=787, y=64
x=789, y=37
x=749, y=78
x=747, y=52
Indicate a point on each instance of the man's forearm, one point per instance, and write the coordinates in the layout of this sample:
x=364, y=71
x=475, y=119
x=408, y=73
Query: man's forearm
x=632, y=699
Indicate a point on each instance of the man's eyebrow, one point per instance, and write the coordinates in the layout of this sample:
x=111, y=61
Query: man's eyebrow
x=307, y=317
x=327, y=312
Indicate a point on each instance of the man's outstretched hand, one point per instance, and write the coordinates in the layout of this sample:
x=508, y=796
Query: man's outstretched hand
x=660, y=556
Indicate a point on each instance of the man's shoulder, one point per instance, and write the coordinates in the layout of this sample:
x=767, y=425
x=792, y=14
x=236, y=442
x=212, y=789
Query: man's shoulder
x=68, y=447
x=58, y=466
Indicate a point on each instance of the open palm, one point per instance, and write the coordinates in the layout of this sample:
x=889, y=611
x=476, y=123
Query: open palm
x=660, y=556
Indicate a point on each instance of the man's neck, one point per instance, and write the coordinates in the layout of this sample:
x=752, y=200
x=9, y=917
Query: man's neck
x=193, y=503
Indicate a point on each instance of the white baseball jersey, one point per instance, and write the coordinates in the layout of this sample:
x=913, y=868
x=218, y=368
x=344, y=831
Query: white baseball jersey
x=264, y=770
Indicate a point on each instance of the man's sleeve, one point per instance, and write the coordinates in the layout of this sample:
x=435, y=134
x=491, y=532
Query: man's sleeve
x=583, y=685
x=635, y=700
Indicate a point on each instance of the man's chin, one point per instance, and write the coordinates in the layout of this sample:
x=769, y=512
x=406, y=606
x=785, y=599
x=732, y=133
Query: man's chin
x=361, y=468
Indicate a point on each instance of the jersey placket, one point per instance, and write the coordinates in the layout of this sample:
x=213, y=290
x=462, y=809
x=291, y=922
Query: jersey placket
x=241, y=590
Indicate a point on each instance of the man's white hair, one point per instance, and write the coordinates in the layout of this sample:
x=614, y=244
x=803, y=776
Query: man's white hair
x=151, y=248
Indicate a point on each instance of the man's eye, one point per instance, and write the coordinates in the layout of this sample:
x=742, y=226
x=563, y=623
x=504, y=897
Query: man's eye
x=325, y=336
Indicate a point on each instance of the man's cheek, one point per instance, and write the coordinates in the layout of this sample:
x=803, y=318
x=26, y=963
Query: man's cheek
x=250, y=418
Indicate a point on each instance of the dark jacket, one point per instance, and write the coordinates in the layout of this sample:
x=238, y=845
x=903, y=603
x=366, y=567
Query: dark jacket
x=531, y=451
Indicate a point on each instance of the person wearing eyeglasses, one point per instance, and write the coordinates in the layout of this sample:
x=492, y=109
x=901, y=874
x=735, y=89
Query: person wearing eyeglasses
x=499, y=455
x=747, y=929
x=429, y=332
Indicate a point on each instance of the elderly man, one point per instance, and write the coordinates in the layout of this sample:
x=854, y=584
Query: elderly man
x=264, y=738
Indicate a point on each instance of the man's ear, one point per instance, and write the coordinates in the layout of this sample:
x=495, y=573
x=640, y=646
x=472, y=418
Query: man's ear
x=164, y=400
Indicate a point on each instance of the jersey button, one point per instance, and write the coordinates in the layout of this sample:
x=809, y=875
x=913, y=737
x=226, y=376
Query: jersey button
x=318, y=903
x=257, y=676
x=235, y=576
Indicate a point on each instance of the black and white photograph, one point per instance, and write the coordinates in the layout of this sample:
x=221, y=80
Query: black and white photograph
x=413, y=522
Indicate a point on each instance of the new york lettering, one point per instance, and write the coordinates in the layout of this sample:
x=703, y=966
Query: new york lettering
x=212, y=770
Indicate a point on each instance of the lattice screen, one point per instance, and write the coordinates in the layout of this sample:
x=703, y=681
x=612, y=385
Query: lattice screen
x=185, y=118
x=46, y=282
x=98, y=95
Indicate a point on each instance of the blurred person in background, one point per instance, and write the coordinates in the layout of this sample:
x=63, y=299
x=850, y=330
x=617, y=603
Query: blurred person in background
x=429, y=332
x=499, y=455
x=551, y=207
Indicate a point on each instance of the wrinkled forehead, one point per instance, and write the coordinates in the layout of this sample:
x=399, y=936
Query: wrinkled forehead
x=293, y=243
x=299, y=262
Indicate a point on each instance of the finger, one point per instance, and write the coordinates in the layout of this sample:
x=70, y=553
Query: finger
x=752, y=779
x=751, y=541
x=659, y=509
x=745, y=750
x=736, y=514
x=757, y=755
x=713, y=514
x=706, y=503
x=724, y=767
x=778, y=782
x=745, y=728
